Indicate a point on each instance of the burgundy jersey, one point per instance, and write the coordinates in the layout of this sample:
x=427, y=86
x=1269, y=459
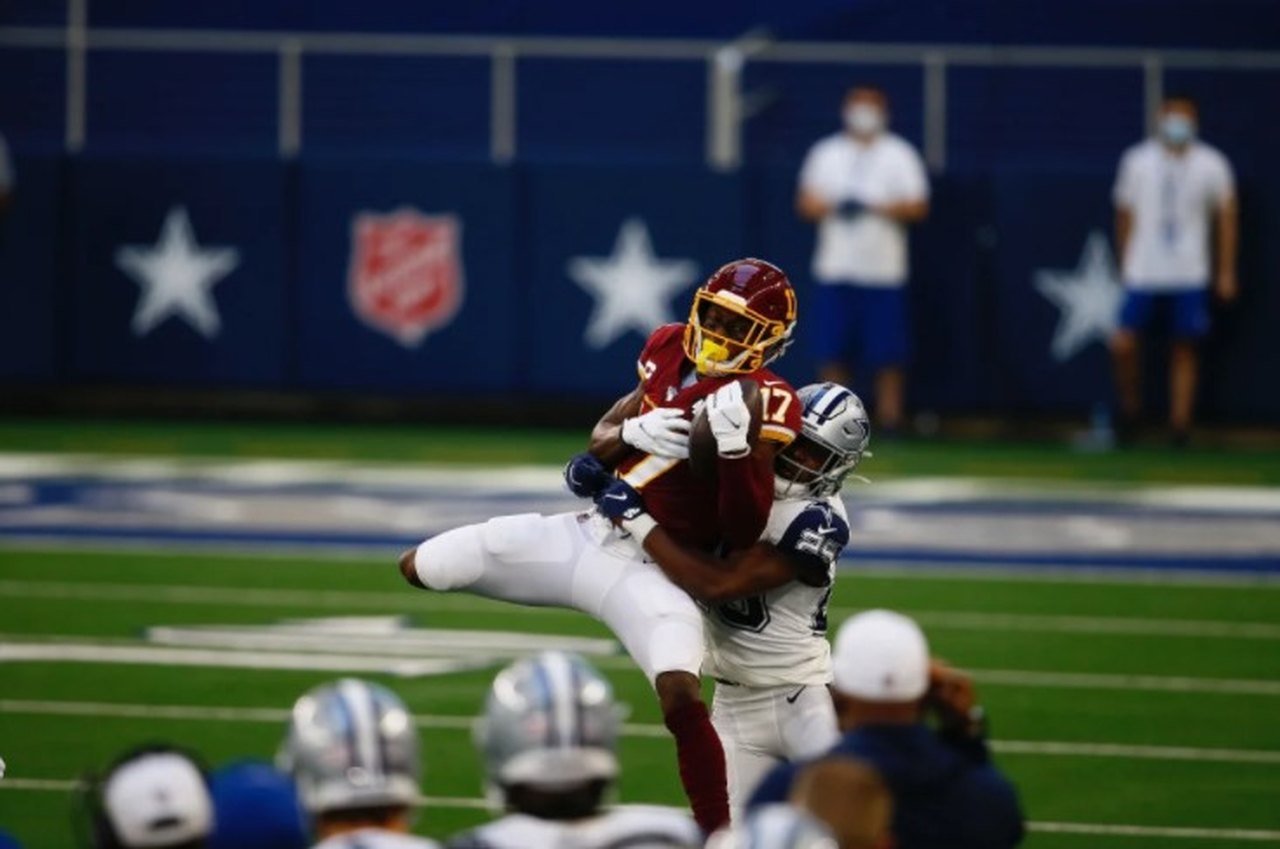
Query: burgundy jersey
x=694, y=510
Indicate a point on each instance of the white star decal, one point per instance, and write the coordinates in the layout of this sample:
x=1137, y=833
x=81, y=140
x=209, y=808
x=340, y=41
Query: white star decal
x=176, y=276
x=1089, y=299
x=632, y=288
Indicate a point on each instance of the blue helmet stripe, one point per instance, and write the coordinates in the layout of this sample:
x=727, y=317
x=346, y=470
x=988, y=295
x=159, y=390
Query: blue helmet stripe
x=349, y=726
x=548, y=700
x=824, y=405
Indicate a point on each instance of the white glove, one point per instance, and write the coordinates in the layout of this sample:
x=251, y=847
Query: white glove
x=730, y=420
x=662, y=432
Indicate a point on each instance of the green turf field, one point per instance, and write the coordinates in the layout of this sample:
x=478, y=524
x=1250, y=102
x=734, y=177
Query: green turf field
x=1198, y=737
x=496, y=446
x=1119, y=704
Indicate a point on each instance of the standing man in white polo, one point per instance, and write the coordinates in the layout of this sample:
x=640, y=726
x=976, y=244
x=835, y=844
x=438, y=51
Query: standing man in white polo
x=862, y=187
x=1168, y=192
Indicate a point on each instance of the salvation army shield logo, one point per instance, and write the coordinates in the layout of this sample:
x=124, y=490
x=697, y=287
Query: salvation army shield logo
x=405, y=278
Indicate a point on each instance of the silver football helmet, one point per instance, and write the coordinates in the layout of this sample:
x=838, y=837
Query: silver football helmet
x=833, y=439
x=352, y=744
x=549, y=722
x=775, y=826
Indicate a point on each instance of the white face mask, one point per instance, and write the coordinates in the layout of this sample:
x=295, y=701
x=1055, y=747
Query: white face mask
x=863, y=119
x=1177, y=129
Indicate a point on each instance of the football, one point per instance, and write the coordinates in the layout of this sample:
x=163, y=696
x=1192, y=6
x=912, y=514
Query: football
x=702, y=442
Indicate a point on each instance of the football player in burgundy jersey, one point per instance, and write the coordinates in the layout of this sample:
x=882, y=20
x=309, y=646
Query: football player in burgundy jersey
x=741, y=320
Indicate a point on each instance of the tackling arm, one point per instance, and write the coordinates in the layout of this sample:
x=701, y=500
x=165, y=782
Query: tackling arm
x=713, y=580
x=606, y=437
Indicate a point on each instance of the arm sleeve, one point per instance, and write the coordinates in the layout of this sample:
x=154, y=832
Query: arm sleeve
x=914, y=180
x=1125, y=191
x=744, y=498
x=1224, y=185
x=811, y=176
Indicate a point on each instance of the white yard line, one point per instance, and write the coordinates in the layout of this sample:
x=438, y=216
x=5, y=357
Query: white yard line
x=203, y=713
x=1097, y=681
x=1052, y=624
x=60, y=648
x=461, y=603
x=1250, y=834
x=463, y=802
x=1037, y=573
x=221, y=658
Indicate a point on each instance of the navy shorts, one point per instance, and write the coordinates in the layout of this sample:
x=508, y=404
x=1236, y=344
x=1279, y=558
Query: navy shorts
x=866, y=325
x=1188, y=311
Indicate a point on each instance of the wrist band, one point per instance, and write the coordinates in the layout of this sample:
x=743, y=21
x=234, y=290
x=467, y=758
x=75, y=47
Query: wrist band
x=640, y=526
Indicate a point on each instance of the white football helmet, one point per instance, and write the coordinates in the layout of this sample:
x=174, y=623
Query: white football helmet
x=832, y=441
x=774, y=827
x=550, y=722
x=352, y=744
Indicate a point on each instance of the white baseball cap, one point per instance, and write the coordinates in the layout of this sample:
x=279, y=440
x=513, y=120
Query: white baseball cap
x=881, y=656
x=158, y=799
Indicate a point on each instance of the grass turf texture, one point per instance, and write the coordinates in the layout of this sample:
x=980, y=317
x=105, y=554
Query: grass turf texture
x=502, y=447
x=38, y=600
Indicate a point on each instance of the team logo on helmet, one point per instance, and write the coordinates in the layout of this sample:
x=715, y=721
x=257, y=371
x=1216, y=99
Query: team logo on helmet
x=405, y=277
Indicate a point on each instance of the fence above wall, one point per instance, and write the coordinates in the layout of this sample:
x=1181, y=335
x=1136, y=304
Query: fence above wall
x=703, y=93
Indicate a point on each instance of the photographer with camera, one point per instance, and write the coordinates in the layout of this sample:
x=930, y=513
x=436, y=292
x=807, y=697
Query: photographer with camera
x=915, y=720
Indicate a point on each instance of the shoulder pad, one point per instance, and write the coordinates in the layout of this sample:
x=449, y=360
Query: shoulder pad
x=817, y=531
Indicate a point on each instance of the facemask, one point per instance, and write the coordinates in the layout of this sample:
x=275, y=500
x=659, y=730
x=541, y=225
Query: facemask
x=1177, y=129
x=864, y=119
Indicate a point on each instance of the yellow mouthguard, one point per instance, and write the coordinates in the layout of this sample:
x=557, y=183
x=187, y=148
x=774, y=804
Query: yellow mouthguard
x=709, y=354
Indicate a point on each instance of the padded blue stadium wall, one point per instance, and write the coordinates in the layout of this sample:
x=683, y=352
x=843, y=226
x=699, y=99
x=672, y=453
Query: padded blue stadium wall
x=1030, y=155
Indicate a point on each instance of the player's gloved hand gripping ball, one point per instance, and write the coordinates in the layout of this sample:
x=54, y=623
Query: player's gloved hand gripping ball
x=586, y=476
x=624, y=506
x=730, y=420
x=662, y=432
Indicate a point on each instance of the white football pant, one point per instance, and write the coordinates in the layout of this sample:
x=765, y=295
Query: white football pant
x=576, y=560
x=761, y=727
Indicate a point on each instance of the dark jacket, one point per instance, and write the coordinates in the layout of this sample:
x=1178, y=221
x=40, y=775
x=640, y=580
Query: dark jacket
x=946, y=792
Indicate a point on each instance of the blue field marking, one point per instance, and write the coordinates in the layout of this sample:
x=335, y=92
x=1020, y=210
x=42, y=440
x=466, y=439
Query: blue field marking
x=392, y=545
x=321, y=508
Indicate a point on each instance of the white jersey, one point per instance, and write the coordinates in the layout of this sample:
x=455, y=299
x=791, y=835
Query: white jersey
x=629, y=826
x=868, y=249
x=376, y=838
x=779, y=638
x=1171, y=198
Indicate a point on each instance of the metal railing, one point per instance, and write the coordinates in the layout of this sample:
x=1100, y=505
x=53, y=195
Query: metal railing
x=725, y=63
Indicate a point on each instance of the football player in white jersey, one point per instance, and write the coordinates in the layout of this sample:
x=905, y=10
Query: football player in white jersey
x=548, y=737
x=353, y=750
x=766, y=607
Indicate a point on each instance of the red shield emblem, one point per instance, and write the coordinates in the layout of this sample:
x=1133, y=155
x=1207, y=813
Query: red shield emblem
x=405, y=278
